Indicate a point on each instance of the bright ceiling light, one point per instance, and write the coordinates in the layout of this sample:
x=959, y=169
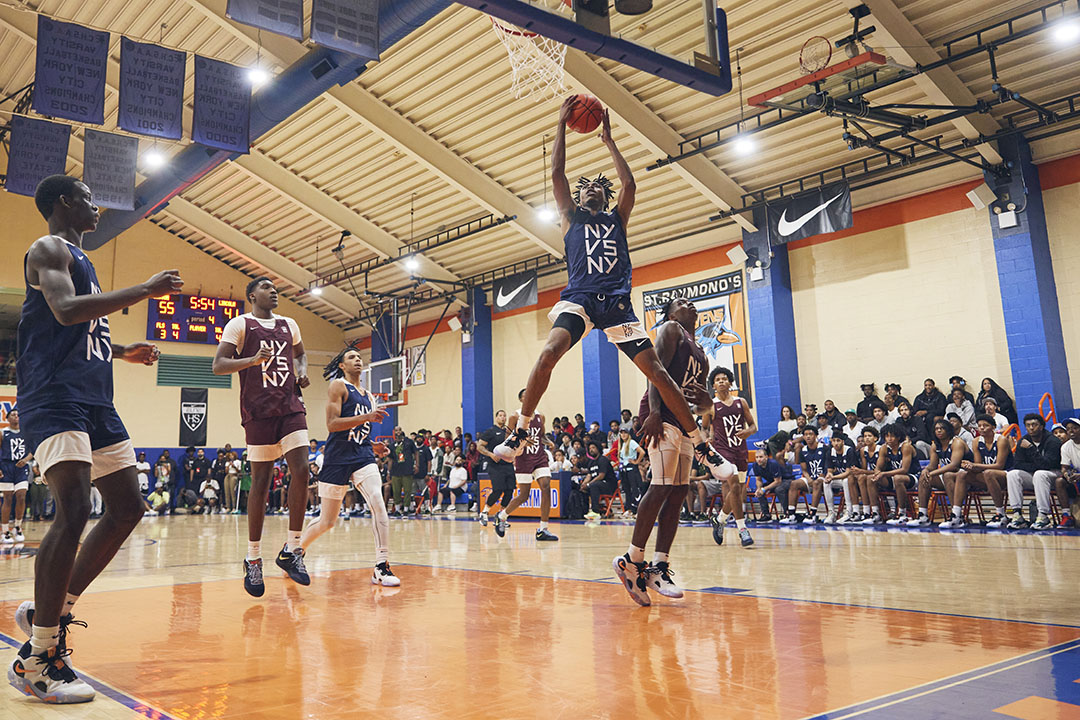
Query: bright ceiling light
x=744, y=145
x=412, y=264
x=153, y=158
x=545, y=214
x=257, y=76
x=1066, y=31
x=316, y=290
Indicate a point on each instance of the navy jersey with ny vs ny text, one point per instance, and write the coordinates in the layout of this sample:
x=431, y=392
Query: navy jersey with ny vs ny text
x=597, y=258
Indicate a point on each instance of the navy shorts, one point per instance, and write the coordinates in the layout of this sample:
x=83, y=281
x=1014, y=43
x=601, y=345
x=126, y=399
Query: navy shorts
x=340, y=474
x=614, y=314
x=14, y=474
x=100, y=422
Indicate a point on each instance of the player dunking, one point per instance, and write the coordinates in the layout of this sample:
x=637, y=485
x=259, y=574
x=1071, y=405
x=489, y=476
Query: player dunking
x=65, y=396
x=732, y=423
x=531, y=464
x=15, y=468
x=598, y=290
x=268, y=353
x=671, y=454
x=349, y=458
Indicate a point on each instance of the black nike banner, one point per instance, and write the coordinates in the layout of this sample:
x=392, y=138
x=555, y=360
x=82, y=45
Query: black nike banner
x=824, y=210
x=193, y=416
x=516, y=291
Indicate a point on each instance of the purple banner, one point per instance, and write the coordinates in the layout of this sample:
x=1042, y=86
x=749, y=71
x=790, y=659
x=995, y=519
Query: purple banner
x=351, y=26
x=151, y=90
x=222, y=106
x=109, y=168
x=38, y=150
x=284, y=17
x=69, y=76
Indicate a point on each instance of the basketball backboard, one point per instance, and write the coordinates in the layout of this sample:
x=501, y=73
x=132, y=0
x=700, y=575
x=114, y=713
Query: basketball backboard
x=842, y=80
x=386, y=379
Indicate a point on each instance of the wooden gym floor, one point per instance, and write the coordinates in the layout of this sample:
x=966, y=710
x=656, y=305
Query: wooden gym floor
x=808, y=623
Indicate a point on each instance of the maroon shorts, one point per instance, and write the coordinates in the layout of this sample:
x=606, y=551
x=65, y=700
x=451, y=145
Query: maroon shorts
x=737, y=456
x=267, y=434
x=526, y=464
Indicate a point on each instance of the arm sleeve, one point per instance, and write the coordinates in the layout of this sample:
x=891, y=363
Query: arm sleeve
x=294, y=328
x=233, y=332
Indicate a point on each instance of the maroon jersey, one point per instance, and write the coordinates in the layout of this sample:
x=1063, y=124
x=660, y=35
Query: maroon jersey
x=727, y=421
x=533, y=456
x=268, y=390
x=688, y=365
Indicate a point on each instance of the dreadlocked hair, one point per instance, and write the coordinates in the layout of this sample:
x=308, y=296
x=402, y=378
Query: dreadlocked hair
x=665, y=311
x=332, y=371
x=609, y=193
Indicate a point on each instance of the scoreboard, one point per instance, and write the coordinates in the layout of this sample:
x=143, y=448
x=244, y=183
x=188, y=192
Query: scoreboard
x=190, y=318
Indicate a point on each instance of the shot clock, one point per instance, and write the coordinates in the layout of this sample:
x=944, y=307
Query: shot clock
x=190, y=318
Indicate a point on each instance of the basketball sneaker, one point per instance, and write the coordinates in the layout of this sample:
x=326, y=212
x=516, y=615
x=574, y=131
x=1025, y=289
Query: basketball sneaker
x=545, y=536
x=1017, y=521
x=592, y=515
x=874, y=519
x=293, y=564
x=744, y=538
x=452, y=509
x=19, y=537
x=511, y=447
x=717, y=529
x=8, y=539
x=384, y=576
x=997, y=521
x=953, y=523
x=48, y=677
x=792, y=519
x=895, y=519
x=500, y=526
x=484, y=519
x=1042, y=523
x=253, y=577
x=811, y=519
x=921, y=521
x=1066, y=522
x=659, y=578
x=634, y=578
x=848, y=519
x=711, y=456
x=830, y=519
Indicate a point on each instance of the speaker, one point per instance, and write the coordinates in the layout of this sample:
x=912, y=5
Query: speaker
x=982, y=196
x=633, y=7
x=454, y=323
x=737, y=255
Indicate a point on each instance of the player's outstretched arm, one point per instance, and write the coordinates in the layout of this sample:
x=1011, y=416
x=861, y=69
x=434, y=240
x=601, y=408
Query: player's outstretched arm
x=627, y=186
x=560, y=186
x=48, y=265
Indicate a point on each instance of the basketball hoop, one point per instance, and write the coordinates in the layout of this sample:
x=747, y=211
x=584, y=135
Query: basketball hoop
x=815, y=54
x=536, y=62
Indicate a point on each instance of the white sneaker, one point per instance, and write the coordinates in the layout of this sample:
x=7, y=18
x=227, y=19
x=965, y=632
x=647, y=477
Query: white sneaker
x=847, y=519
x=788, y=520
x=659, y=576
x=871, y=520
x=899, y=520
x=634, y=579
x=920, y=521
x=451, y=509
x=48, y=677
x=830, y=519
x=952, y=523
x=592, y=515
x=810, y=519
x=19, y=537
x=8, y=539
x=384, y=576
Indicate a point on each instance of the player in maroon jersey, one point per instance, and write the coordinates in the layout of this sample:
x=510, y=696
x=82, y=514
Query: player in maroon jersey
x=671, y=454
x=732, y=422
x=268, y=353
x=531, y=463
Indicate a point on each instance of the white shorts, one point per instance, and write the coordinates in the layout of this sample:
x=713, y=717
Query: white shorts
x=74, y=446
x=333, y=491
x=14, y=487
x=675, y=452
x=527, y=478
x=624, y=332
x=270, y=453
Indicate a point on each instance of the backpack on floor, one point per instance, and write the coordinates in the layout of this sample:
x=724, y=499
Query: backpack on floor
x=575, y=506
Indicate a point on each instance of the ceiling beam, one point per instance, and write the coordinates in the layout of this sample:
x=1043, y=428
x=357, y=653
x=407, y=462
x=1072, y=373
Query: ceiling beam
x=648, y=129
x=942, y=86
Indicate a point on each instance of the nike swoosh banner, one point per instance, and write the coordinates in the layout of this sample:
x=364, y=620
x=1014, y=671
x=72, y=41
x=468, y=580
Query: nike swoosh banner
x=825, y=210
x=516, y=291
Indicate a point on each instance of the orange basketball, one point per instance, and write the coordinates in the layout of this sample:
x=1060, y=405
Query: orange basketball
x=586, y=114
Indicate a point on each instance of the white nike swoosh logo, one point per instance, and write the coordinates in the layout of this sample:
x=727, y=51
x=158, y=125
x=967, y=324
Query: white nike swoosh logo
x=787, y=228
x=502, y=300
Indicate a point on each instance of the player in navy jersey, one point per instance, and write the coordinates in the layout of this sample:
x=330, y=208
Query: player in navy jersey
x=813, y=460
x=349, y=459
x=993, y=459
x=947, y=453
x=267, y=352
x=841, y=464
x=897, y=469
x=65, y=398
x=14, y=478
x=597, y=292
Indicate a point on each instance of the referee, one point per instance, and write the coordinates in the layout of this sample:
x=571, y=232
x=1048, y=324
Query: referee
x=501, y=473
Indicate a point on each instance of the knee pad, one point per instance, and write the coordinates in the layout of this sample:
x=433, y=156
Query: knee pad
x=571, y=323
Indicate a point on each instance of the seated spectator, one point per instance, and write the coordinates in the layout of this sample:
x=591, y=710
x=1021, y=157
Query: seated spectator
x=835, y=418
x=1036, y=466
x=870, y=400
x=208, y=492
x=1006, y=406
x=698, y=475
x=930, y=404
x=877, y=420
x=893, y=390
x=560, y=463
x=824, y=429
x=455, y=485
x=158, y=501
x=772, y=477
x=993, y=459
x=958, y=383
x=812, y=459
x=613, y=433
x=959, y=404
x=853, y=427
x=810, y=411
x=1070, y=473
x=787, y=423
x=840, y=465
x=897, y=469
x=989, y=407
x=959, y=429
x=891, y=413
x=579, y=426
x=599, y=478
x=596, y=435
x=915, y=428
x=947, y=454
x=1060, y=433
x=627, y=421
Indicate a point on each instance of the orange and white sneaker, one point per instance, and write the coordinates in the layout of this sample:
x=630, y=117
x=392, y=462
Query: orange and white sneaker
x=634, y=577
x=48, y=677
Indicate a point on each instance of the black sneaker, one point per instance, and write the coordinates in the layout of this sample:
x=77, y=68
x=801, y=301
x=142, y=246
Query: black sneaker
x=253, y=577
x=293, y=564
x=544, y=535
x=500, y=526
x=717, y=529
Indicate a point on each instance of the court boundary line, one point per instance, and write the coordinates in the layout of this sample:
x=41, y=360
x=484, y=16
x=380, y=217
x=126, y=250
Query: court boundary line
x=944, y=683
x=119, y=696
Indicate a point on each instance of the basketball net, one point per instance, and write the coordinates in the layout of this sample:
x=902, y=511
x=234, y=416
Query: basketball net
x=536, y=62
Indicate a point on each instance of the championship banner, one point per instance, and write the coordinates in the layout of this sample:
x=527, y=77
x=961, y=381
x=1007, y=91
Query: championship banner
x=69, y=74
x=193, y=416
x=516, y=291
x=284, y=17
x=38, y=150
x=416, y=365
x=351, y=26
x=721, y=322
x=151, y=90
x=222, y=108
x=825, y=210
x=109, y=168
